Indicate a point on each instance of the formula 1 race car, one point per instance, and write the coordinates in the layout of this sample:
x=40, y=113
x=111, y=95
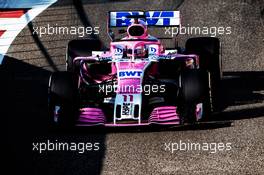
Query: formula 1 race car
x=136, y=81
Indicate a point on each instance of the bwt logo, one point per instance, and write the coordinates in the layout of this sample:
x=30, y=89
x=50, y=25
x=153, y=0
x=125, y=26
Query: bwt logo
x=130, y=73
x=153, y=18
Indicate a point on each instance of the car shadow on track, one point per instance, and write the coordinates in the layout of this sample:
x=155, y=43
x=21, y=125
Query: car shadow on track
x=243, y=93
x=24, y=113
x=156, y=128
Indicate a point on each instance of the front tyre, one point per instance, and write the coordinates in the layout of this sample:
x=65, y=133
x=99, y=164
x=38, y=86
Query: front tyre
x=63, y=99
x=194, y=90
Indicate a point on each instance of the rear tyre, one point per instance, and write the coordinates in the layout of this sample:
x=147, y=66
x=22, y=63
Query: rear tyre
x=63, y=99
x=209, y=52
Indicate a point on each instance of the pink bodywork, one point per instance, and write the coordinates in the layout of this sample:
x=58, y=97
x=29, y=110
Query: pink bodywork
x=165, y=115
x=133, y=83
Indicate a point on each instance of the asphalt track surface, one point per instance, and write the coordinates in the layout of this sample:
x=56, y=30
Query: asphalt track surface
x=31, y=59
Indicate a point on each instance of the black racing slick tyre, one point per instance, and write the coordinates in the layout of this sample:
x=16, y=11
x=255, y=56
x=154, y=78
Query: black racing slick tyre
x=194, y=83
x=63, y=99
x=209, y=51
x=83, y=48
x=194, y=90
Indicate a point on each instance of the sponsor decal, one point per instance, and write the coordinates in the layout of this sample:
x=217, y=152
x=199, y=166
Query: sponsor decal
x=118, y=51
x=153, y=18
x=131, y=73
x=126, y=109
x=127, y=105
x=152, y=50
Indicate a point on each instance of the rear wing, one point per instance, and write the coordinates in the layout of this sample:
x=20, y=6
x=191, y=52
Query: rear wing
x=152, y=18
x=122, y=19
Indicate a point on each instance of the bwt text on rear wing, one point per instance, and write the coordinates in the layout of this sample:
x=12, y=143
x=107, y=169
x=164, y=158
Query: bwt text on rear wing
x=152, y=18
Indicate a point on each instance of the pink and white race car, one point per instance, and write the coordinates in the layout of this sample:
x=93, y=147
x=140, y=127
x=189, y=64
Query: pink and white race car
x=137, y=81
